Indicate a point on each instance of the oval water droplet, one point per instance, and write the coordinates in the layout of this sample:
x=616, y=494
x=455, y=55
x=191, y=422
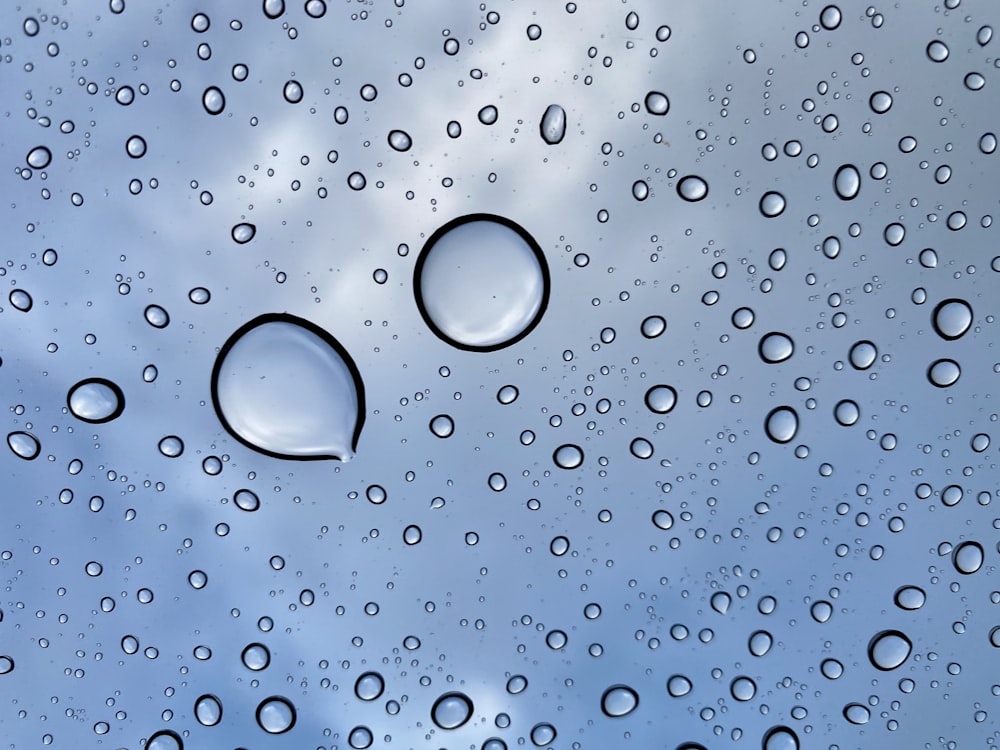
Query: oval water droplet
x=781, y=424
x=856, y=713
x=653, y=326
x=543, y=734
x=213, y=100
x=720, y=602
x=24, y=445
x=889, y=649
x=360, y=738
x=952, y=318
x=481, y=282
x=276, y=715
x=984, y=35
x=657, y=103
x=39, y=157
x=968, y=557
x=96, y=400
x=863, y=355
x=909, y=597
x=507, y=394
x=780, y=738
x=451, y=710
x=641, y=448
x=246, y=500
x=760, y=642
x=678, y=686
x=243, y=233
x=399, y=140
x=208, y=710
x=743, y=689
x=21, y=300
x=286, y=388
x=847, y=412
x=662, y=519
x=772, y=204
x=944, y=373
x=661, y=399
x=292, y=92
x=830, y=17
x=568, y=456
x=165, y=739
x=692, y=188
x=553, y=124
x=156, y=316
x=776, y=347
x=847, y=182
x=640, y=190
x=619, y=700
x=488, y=115
x=369, y=686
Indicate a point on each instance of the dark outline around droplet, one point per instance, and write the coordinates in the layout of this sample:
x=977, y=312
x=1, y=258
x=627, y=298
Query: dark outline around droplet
x=327, y=338
x=107, y=384
x=879, y=636
x=218, y=703
x=774, y=730
x=524, y=235
x=767, y=421
x=276, y=699
x=940, y=306
x=166, y=733
x=453, y=694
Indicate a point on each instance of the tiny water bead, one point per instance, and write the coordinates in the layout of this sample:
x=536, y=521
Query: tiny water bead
x=451, y=710
x=692, y=188
x=481, y=282
x=286, y=388
x=276, y=715
x=952, y=318
x=553, y=125
x=96, y=400
x=888, y=650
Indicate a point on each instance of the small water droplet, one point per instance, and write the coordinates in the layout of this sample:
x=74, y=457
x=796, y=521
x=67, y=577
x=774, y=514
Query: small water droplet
x=678, y=686
x=653, y=326
x=692, y=188
x=619, y=700
x=285, y=387
x=156, y=316
x=857, y=713
x=661, y=399
x=772, y=204
x=640, y=190
x=24, y=445
x=96, y=400
x=743, y=689
x=553, y=124
x=662, y=519
x=21, y=300
x=451, y=710
x=507, y=394
x=880, y=102
x=292, y=92
x=542, y=734
x=759, y=643
x=846, y=412
x=938, y=51
x=442, y=426
x=246, y=500
x=909, y=597
x=171, y=446
x=276, y=715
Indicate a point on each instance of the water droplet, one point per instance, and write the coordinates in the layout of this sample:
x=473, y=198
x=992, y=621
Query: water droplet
x=830, y=17
x=243, y=233
x=974, y=81
x=662, y=519
x=568, y=456
x=553, y=124
x=208, y=710
x=984, y=35
x=952, y=318
x=39, y=157
x=165, y=739
x=640, y=190
x=315, y=8
x=135, y=146
x=507, y=394
x=442, y=426
x=481, y=282
x=856, y=713
x=171, y=446
x=292, y=92
x=968, y=557
x=619, y=700
x=894, y=234
x=399, y=140
x=6, y=665
x=721, y=601
x=369, y=686
x=781, y=424
x=360, y=738
x=772, y=204
x=678, y=686
x=542, y=734
x=692, y=188
x=938, y=51
x=780, y=738
x=246, y=500
x=944, y=373
x=96, y=400
x=559, y=546
x=641, y=448
x=880, y=102
x=24, y=444
x=213, y=100
x=274, y=8
x=653, y=326
x=412, y=535
x=156, y=316
x=657, y=103
x=847, y=182
x=285, y=387
x=831, y=669
x=743, y=688
x=451, y=710
x=889, y=649
x=21, y=300
x=863, y=355
x=760, y=642
x=276, y=715
x=847, y=412
x=909, y=597
x=776, y=347
x=356, y=181
x=661, y=399
x=488, y=115
x=497, y=482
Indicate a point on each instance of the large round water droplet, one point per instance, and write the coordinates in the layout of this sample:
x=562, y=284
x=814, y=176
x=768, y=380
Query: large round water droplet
x=692, y=188
x=760, y=642
x=889, y=649
x=213, y=100
x=772, y=204
x=952, y=318
x=24, y=444
x=542, y=734
x=96, y=400
x=208, y=710
x=743, y=688
x=276, y=715
x=451, y=710
x=39, y=157
x=553, y=125
x=661, y=399
x=863, y=355
x=657, y=103
x=780, y=738
x=369, y=686
x=776, y=347
x=938, y=51
x=165, y=739
x=910, y=597
x=619, y=700
x=944, y=373
x=481, y=282
x=568, y=456
x=399, y=140
x=781, y=424
x=243, y=233
x=285, y=387
x=880, y=102
x=360, y=738
x=847, y=182
x=442, y=426
x=830, y=17
x=968, y=557
x=847, y=412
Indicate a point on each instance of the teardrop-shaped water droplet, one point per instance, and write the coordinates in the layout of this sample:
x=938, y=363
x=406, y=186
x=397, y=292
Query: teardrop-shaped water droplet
x=451, y=710
x=944, y=373
x=657, y=103
x=847, y=182
x=968, y=557
x=619, y=700
x=776, y=347
x=781, y=424
x=243, y=233
x=399, y=140
x=661, y=399
x=481, y=282
x=692, y=188
x=285, y=387
x=720, y=602
x=553, y=125
x=208, y=710
x=24, y=444
x=889, y=649
x=952, y=318
x=96, y=400
x=276, y=715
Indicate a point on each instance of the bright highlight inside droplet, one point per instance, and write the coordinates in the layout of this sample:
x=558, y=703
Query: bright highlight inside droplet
x=285, y=387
